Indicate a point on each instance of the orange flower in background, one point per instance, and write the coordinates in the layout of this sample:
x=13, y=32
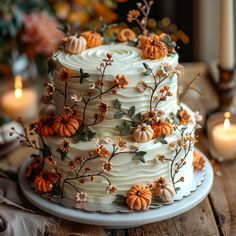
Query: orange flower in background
x=184, y=117
x=65, y=74
x=126, y=35
x=45, y=126
x=93, y=39
x=105, y=12
x=198, y=161
x=133, y=15
x=139, y=198
x=102, y=152
x=121, y=81
x=41, y=33
x=66, y=125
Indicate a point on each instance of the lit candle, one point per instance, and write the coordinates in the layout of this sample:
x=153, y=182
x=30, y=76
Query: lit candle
x=227, y=60
x=224, y=138
x=20, y=102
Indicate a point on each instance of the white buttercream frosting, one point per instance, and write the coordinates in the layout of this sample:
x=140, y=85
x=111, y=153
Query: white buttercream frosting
x=125, y=171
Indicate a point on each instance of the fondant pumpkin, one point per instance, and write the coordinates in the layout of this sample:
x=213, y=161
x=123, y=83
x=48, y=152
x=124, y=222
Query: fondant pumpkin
x=66, y=125
x=93, y=39
x=143, y=133
x=154, y=50
x=139, y=198
x=126, y=35
x=162, y=127
x=43, y=182
x=148, y=40
x=166, y=191
x=45, y=126
x=75, y=44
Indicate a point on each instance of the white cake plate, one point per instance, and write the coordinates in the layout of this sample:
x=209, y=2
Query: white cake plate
x=120, y=220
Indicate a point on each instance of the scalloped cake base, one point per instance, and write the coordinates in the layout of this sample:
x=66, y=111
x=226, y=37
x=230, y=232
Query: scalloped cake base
x=122, y=218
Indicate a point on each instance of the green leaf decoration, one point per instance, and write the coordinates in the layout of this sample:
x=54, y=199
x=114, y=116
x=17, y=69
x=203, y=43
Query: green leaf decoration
x=131, y=111
x=138, y=117
x=63, y=154
x=46, y=150
x=85, y=134
x=117, y=104
x=118, y=115
x=175, y=118
x=183, y=129
x=120, y=200
x=146, y=66
x=161, y=139
x=177, y=189
x=56, y=189
x=83, y=75
x=139, y=156
x=148, y=72
x=125, y=128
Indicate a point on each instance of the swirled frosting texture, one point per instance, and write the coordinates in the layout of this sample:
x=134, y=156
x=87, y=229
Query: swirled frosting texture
x=127, y=61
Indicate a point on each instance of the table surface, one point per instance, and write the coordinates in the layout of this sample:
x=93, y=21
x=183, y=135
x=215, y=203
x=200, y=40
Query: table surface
x=216, y=215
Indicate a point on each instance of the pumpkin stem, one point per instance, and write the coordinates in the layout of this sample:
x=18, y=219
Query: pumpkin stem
x=138, y=193
x=154, y=42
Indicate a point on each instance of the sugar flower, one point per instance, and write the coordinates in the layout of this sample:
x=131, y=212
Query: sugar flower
x=65, y=74
x=167, y=69
x=102, y=152
x=106, y=166
x=111, y=189
x=92, y=85
x=141, y=86
x=77, y=98
x=65, y=145
x=81, y=197
x=179, y=70
x=121, y=143
x=121, y=81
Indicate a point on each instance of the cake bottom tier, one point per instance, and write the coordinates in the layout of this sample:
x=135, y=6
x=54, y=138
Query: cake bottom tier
x=103, y=178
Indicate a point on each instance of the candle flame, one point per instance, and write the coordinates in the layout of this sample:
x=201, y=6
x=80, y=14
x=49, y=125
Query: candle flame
x=227, y=121
x=18, y=86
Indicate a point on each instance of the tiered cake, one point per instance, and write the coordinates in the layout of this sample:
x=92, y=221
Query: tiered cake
x=119, y=133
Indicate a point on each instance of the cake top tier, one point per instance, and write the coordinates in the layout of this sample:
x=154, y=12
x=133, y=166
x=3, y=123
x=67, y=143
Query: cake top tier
x=127, y=59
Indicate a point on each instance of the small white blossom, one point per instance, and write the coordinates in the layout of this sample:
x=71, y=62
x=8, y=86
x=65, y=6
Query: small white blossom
x=81, y=197
x=92, y=85
x=102, y=141
x=77, y=98
x=167, y=69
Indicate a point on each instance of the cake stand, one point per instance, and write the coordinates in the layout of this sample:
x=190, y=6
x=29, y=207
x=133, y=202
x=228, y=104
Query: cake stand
x=122, y=220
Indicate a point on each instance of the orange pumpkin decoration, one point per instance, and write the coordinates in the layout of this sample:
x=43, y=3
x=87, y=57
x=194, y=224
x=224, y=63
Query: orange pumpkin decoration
x=44, y=182
x=66, y=125
x=93, y=39
x=139, y=198
x=162, y=127
x=75, y=44
x=154, y=50
x=165, y=190
x=126, y=35
x=45, y=126
x=198, y=161
x=145, y=40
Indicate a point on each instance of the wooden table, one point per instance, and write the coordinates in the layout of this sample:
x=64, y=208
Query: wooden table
x=216, y=215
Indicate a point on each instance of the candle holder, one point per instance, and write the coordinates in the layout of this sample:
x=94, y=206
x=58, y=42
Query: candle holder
x=226, y=88
x=222, y=140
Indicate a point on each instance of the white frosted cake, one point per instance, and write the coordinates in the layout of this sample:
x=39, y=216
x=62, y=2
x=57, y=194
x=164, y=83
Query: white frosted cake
x=119, y=134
